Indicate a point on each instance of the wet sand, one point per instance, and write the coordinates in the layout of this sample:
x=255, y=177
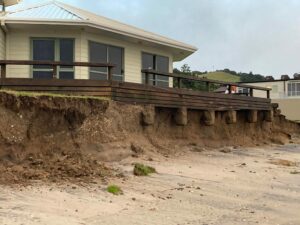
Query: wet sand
x=197, y=188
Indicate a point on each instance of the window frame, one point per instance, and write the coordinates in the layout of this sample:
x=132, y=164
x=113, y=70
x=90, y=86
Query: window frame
x=296, y=91
x=108, y=60
x=154, y=78
x=56, y=55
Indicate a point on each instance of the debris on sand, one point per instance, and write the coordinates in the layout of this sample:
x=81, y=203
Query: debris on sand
x=295, y=172
x=226, y=150
x=282, y=162
x=143, y=170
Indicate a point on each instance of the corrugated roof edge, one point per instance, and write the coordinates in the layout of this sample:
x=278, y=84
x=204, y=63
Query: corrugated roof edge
x=85, y=20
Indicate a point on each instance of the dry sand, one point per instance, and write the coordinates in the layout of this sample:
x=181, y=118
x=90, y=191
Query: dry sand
x=209, y=187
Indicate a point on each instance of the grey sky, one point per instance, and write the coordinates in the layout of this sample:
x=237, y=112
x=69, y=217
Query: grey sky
x=262, y=36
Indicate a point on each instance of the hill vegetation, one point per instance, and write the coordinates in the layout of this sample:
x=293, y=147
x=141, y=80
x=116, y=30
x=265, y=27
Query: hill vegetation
x=221, y=75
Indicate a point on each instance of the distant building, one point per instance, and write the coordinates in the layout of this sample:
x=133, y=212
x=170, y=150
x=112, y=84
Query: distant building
x=285, y=92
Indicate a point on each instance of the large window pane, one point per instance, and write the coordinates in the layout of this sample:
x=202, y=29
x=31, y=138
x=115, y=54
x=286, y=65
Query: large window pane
x=66, y=52
x=43, y=50
x=159, y=63
x=42, y=75
x=116, y=57
x=162, y=65
x=148, y=62
x=98, y=54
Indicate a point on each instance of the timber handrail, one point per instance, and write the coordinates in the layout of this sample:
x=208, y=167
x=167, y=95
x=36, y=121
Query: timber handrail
x=181, y=77
x=54, y=65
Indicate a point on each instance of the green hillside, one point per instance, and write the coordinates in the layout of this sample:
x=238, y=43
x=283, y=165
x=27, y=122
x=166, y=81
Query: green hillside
x=222, y=76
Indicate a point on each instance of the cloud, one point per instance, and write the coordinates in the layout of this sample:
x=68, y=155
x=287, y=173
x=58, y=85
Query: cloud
x=262, y=36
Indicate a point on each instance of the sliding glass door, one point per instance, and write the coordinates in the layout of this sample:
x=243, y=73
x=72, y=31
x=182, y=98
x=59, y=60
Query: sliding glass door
x=52, y=49
x=158, y=63
x=101, y=53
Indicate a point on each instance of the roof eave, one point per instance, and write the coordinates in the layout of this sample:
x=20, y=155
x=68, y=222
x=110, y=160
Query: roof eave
x=184, y=47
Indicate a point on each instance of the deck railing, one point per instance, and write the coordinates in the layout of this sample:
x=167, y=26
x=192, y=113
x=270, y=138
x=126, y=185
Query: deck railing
x=147, y=72
x=54, y=65
x=180, y=78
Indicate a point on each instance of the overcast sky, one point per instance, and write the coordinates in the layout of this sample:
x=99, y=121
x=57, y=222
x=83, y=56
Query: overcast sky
x=262, y=36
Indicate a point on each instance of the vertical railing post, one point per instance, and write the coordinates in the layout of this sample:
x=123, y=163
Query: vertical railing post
x=207, y=86
x=54, y=74
x=179, y=82
x=146, y=78
x=110, y=75
x=251, y=92
x=3, y=70
x=229, y=89
x=268, y=94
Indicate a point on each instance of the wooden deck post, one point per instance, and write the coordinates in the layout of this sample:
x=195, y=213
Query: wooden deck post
x=146, y=78
x=268, y=94
x=110, y=75
x=181, y=116
x=179, y=82
x=3, y=70
x=231, y=117
x=252, y=116
x=54, y=72
x=148, y=115
x=207, y=86
x=229, y=89
x=209, y=117
x=269, y=115
x=251, y=92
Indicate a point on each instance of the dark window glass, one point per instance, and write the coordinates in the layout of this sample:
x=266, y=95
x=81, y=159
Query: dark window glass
x=66, y=52
x=162, y=65
x=159, y=63
x=42, y=75
x=98, y=54
x=101, y=53
x=67, y=75
x=116, y=57
x=148, y=62
x=43, y=50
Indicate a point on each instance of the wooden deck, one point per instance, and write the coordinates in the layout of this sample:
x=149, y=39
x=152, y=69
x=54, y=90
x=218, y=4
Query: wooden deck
x=133, y=93
x=140, y=94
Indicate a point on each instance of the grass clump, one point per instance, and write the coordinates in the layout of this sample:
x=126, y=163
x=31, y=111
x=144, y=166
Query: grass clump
x=46, y=94
x=143, y=170
x=114, y=189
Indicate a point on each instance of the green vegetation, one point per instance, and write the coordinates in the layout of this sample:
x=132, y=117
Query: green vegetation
x=143, y=170
x=45, y=94
x=222, y=76
x=114, y=189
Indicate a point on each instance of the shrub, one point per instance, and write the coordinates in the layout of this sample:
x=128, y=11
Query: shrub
x=115, y=190
x=143, y=170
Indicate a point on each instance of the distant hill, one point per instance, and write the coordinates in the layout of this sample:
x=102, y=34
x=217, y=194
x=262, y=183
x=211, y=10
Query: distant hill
x=222, y=76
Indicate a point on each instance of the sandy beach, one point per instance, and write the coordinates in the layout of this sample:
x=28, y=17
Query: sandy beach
x=209, y=187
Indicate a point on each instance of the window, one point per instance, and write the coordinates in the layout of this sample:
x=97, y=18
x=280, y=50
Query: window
x=294, y=89
x=101, y=53
x=52, y=50
x=159, y=63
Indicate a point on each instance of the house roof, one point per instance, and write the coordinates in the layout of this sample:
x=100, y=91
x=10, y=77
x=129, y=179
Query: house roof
x=55, y=12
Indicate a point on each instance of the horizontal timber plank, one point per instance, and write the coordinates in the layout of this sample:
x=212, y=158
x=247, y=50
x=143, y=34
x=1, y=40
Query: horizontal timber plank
x=137, y=98
x=133, y=86
x=53, y=82
x=198, y=97
x=177, y=105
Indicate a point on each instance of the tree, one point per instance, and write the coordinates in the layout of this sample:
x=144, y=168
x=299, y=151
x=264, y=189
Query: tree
x=185, y=68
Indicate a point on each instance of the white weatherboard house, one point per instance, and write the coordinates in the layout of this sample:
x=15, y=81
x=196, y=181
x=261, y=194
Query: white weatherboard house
x=54, y=31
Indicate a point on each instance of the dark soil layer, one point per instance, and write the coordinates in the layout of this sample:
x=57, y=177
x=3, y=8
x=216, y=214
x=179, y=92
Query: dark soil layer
x=57, y=138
